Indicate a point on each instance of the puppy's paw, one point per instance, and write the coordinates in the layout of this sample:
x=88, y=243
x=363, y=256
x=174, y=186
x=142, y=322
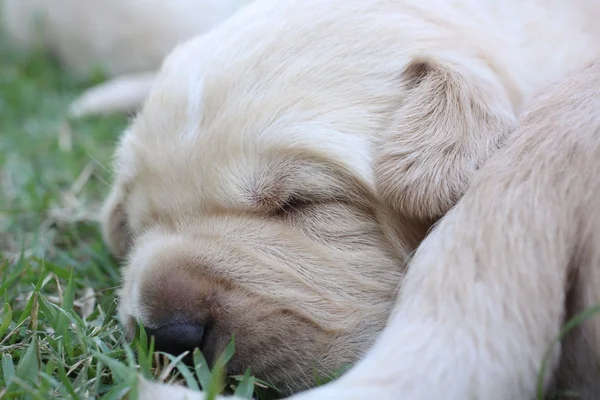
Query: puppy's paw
x=366, y=389
x=452, y=118
x=125, y=94
x=149, y=390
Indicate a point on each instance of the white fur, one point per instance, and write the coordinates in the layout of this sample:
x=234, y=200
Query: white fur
x=432, y=89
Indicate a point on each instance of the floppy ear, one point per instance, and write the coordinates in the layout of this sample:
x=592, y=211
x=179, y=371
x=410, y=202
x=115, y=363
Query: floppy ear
x=452, y=118
x=115, y=227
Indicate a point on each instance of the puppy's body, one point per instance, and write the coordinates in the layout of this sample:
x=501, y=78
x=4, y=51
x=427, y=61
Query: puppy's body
x=120, y=36
x=302, y=148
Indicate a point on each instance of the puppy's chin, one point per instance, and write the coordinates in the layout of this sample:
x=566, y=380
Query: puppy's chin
x=191, y=290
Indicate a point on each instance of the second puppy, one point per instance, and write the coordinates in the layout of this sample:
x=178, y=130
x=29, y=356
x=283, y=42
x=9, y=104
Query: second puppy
x=126, y=38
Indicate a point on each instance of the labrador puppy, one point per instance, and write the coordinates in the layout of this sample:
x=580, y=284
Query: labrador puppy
x=487, y=292
x=286, y=164
x=127, y=38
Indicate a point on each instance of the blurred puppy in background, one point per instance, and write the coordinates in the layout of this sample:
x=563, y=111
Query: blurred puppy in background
x=127, y=39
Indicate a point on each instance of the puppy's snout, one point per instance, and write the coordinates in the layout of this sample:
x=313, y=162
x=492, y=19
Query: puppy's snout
x=177, y=338
x=178, y=308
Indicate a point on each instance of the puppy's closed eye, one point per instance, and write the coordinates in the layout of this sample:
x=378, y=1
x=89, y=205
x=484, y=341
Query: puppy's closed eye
x=294, y=204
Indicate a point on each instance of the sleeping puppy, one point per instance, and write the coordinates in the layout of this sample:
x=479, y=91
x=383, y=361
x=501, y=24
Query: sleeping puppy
x=287, y=163
x=487, y=292
x=127, y=38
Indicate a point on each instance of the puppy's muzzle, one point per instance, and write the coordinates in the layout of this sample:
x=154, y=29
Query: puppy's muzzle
x=177, y=338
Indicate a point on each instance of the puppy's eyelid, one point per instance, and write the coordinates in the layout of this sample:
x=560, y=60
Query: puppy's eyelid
x=294, y=203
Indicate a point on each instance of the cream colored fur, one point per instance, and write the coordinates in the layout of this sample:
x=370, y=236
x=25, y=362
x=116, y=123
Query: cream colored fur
x=487, y=292
x=127, y=38
x=287, y=163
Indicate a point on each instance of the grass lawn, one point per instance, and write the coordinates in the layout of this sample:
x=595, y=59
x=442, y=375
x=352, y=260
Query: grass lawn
x=58, y=334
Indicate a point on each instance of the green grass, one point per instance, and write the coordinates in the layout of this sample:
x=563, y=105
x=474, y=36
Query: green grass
x=59, y=337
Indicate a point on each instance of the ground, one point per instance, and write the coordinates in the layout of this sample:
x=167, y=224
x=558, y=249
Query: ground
x=58, y=334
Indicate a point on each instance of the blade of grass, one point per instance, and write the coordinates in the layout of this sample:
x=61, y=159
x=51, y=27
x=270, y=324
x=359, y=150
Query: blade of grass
x=568, y=327
x=8, y=369
x=27, y=310
x=176, y=362
x=28, y=366
x=225, y=357
x=202, y=369
x=64, y=379
x=7, y=313
x=245, y=389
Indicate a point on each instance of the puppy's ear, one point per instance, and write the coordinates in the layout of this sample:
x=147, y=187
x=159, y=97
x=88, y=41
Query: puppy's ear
x=115, y=227
x=451, y=120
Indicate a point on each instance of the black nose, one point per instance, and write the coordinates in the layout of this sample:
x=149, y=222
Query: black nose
x=177, y=338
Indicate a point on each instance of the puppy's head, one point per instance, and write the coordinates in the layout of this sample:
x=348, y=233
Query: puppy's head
x=273, y=238
x=239, y=220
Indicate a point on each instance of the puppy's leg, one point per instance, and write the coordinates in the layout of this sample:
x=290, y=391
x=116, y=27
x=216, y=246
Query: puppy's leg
x=453, y=117
x=123, y=94
x=485, y=294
